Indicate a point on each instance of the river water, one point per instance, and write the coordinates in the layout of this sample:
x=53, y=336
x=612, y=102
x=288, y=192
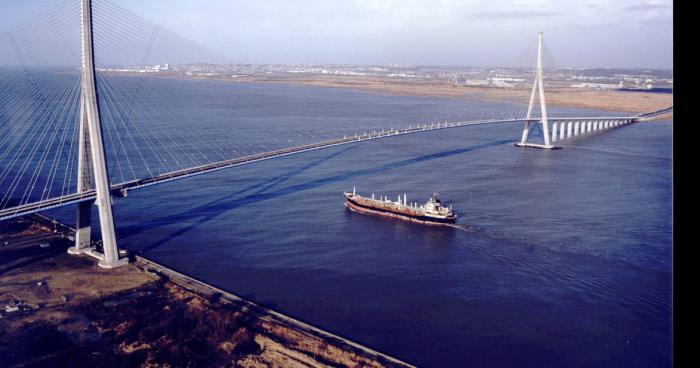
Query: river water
x=564, y=259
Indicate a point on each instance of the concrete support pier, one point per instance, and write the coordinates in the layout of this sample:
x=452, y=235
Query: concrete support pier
x=84, y=210
x=82, y=229
x=92, y=145
x=561, y=131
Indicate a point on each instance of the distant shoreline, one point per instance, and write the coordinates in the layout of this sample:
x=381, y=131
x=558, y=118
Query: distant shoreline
x=608, y=100
x=559, y=96
x=650, y=90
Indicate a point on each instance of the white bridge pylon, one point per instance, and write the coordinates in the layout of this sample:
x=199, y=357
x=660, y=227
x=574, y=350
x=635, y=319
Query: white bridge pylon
x=568, y=128
x=91, y=159
x=538, y=85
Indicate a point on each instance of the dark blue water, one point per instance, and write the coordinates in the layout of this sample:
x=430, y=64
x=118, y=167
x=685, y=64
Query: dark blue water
x=565, y=259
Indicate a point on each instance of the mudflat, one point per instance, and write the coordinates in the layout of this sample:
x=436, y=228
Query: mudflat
x=608, y=100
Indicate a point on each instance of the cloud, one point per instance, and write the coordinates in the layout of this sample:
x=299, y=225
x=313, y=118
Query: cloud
x=464, y=32
x=519, y=14
x=645, y=7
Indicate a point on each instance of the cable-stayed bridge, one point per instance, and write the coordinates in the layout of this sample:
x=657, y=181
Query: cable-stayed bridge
x=64, y=125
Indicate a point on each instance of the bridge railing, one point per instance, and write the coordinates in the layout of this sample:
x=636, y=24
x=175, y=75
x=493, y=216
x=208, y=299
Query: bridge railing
x=568, y=128
x=653, y=114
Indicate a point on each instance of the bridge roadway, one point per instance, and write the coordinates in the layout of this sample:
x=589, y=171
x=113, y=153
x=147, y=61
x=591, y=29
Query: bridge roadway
x=120, y=190
x=653, y=114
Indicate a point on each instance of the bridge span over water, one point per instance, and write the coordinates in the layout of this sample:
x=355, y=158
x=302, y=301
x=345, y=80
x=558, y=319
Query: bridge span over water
x=94, y=186
x=576, y=127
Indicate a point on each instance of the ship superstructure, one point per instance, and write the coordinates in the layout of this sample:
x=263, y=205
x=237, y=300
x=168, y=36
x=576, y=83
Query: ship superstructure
x=432, y=212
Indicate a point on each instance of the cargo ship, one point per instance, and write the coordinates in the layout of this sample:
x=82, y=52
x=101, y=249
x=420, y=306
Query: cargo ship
x=432, y=212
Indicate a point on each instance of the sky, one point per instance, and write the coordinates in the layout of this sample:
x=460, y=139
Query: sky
x=577, y=33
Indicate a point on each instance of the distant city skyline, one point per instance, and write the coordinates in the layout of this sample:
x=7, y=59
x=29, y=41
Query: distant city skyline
x=592, y=33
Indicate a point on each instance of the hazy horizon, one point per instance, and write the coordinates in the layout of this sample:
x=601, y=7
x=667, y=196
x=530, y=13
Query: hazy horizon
x=479, y=34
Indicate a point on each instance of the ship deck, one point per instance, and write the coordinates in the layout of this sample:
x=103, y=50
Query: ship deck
x=391, y=209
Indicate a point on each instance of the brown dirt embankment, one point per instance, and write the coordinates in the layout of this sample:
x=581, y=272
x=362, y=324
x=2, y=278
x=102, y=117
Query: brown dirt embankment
x=60, y=310
x=608, y=100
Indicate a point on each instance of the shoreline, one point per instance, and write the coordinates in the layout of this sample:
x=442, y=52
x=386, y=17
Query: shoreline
x=273, y=317
x=606, y=100
x=556, y=96
x=142, y=314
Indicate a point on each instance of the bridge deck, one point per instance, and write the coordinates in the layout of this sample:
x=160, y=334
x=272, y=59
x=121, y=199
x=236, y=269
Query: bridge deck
x=122, y=188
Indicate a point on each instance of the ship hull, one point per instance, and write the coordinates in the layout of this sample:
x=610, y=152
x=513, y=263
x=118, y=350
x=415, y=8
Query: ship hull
x=364, y=209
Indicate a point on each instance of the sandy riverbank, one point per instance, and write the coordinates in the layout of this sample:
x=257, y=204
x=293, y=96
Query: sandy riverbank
x=608, y=100
x=62, y=310
x=560, y=96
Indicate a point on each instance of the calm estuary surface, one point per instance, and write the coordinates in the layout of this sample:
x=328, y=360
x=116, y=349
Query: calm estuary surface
x=565, y=260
